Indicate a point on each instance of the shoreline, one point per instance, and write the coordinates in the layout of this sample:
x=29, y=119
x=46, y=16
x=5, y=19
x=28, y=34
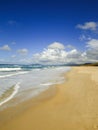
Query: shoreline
x=11, y=112
x=68, y=106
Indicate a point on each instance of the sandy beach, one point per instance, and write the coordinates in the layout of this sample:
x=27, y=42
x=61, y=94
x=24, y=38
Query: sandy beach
x=72, y=105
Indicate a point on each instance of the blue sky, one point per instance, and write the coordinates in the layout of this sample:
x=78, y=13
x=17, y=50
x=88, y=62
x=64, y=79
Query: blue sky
x=29, y=26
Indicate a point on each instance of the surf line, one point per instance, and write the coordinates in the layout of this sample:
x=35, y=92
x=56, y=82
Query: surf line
x=16, y=88
x=4, y=76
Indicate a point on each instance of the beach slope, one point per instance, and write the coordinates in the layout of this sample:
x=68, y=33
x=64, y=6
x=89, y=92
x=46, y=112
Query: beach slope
x=74, y=106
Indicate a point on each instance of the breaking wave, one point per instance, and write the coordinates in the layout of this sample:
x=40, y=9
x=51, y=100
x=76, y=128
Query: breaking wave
x=10, y=69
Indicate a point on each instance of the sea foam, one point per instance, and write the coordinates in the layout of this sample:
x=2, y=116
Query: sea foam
x=9, y=69
x=12, y=95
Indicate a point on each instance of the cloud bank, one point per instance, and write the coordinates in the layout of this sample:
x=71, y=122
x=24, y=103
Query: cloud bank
x=57, y=53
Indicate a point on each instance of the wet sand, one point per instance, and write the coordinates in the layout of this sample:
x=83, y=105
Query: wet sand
x=72, y=105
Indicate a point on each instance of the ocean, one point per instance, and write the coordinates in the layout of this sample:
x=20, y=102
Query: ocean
x=24, y=82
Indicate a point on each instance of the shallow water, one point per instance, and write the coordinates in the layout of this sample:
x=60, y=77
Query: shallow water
x=27, y=81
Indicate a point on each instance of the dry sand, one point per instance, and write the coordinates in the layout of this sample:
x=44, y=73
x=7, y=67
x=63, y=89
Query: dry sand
x=74, y=106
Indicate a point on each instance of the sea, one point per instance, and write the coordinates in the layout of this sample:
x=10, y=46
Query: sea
x=24, y=82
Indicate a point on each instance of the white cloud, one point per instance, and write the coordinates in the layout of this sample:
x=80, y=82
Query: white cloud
x=5, y=48
x=57, y=55
x=54, y=53
x=92, y=51
x=93, y=43
x=51, y=55
x=88, y=26
x=56, y=45
x=23, y=51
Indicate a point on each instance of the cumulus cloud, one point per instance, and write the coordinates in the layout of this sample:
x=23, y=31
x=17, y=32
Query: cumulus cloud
x=23, y=51
x=52, y=54
x=88, y=26
x=56, y=45
x=5, y=48
x=91, y=56
x=92, y=51
x=93, y=43
x=56, y=54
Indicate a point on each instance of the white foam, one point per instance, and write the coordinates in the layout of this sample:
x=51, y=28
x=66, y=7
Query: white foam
x=9, y=69
x=12, y=95
x=46, y=84
x=4, y=76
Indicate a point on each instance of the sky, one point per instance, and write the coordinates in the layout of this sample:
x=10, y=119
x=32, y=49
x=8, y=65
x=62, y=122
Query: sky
x=48, y=31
